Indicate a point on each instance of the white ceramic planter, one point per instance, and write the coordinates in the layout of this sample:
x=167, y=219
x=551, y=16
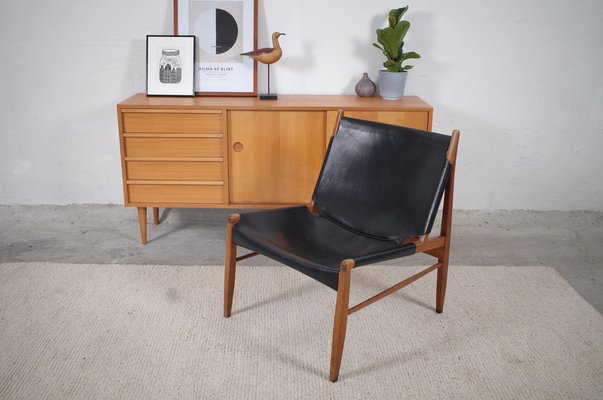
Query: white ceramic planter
x=391, y=84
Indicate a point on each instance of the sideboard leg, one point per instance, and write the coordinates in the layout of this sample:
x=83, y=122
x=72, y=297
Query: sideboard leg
x=142, y=220
x=156, y=215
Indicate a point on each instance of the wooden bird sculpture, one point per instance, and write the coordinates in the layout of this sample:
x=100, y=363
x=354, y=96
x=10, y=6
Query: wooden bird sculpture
x=267, y=55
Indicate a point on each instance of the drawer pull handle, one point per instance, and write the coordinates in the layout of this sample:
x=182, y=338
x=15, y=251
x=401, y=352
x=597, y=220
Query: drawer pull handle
x=238, y=147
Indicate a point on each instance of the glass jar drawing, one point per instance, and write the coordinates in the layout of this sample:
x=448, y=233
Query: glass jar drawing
x=170, y=66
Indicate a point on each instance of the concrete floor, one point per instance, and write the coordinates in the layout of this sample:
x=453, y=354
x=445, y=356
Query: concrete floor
x=571, y=242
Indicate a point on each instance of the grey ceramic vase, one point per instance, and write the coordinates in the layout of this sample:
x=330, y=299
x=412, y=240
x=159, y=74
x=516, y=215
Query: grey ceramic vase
x=365, y=87
x=391, y=84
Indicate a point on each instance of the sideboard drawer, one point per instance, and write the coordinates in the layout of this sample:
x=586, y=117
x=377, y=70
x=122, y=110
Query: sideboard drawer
x=175, y=170
x=176, y=194
x=410, y=119
x=173, y=147
x=172, y=122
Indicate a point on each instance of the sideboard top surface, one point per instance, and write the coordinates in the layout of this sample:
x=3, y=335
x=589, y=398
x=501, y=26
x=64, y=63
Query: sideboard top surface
x=284, y=102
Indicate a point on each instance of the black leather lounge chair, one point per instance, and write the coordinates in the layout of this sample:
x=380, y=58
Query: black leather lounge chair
x=376, y=199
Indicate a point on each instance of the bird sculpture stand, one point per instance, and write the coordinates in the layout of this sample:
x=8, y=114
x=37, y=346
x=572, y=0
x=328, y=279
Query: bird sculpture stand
x=268, y=55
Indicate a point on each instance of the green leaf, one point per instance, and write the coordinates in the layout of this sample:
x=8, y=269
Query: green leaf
x=392, y=66
x=409, y=55
x=392, y=39
x=386, y=37
x=407, y=67
x=401, y=30
x=379, y=47
x=395, y=15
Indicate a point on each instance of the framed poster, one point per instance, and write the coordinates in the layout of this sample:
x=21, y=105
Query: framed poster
x=223, y=29
x=170, y=65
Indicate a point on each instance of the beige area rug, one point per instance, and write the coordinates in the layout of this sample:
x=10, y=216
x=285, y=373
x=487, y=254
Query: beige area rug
x=156, y=332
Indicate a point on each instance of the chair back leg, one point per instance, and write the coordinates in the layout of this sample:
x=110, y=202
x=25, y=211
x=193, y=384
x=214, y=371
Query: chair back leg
x=230, y=265
x=446, y=231
x=341, y=317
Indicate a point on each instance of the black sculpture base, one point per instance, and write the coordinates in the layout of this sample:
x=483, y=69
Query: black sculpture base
x=268, y=96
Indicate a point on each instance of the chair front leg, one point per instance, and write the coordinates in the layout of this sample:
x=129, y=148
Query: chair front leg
x=341, y=317
x=230, y=265
x=441, y=284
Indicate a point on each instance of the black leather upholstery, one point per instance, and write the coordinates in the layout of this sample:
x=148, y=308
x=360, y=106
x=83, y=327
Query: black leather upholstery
x=379, y=185
x=383, y=180
x=309, y=243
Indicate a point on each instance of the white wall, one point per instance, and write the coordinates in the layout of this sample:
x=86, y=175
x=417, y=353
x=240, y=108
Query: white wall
x=521, y=79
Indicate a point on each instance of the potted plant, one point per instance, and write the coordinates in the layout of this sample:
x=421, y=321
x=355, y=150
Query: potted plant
x=391, y=42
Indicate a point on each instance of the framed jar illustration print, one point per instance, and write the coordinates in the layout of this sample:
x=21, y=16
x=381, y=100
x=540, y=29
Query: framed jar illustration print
x=170, y=65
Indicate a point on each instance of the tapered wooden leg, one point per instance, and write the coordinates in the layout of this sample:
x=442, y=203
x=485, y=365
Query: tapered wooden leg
x=142, y=220
x=156, y=215
x=446, y=232
x=441, y=285
x=230, y=265
x=341, y=317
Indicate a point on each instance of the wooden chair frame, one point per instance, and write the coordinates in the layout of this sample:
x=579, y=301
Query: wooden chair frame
x=438, y=247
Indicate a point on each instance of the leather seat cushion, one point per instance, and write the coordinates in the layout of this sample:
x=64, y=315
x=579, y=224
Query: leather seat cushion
x=311, y=244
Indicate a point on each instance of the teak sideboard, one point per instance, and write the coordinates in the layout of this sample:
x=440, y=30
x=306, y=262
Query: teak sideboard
x=236, y=152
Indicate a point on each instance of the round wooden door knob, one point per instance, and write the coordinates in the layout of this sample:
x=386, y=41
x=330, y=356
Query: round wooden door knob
x=238, y=146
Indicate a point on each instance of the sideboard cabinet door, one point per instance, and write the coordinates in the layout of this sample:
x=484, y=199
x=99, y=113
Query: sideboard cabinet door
x=275, y=156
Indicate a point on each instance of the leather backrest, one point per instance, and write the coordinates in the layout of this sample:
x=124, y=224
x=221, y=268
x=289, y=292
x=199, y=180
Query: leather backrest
x=383, y=181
